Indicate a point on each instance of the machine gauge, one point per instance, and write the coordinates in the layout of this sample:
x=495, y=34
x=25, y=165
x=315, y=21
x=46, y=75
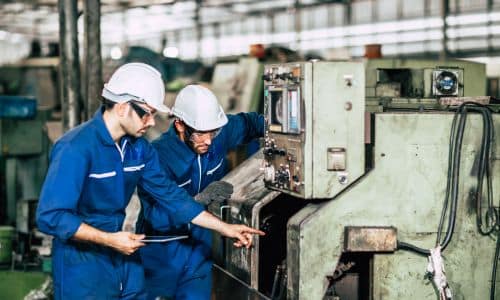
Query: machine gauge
x=445, y=83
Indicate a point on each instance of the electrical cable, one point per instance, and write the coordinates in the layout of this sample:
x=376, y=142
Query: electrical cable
x=450, y=203
x=494, y=269
x=492, y=214
x=456, y=138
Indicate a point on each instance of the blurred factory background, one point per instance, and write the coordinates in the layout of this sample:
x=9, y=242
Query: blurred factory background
x=212, y=29
x=405, y=64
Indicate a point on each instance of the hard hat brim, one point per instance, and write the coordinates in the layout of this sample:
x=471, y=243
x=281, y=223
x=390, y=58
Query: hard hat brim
x=122, y=98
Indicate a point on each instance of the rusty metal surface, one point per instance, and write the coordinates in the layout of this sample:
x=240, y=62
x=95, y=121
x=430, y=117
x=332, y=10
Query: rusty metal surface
x=391, y=89
x=460, y=100
x=370, y=239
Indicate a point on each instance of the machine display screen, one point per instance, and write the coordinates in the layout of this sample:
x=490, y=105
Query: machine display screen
x=293, y=111
x=276, y=110
x=284, y=110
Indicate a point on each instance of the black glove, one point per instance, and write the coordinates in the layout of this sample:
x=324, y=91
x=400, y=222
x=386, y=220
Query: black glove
x=217, y=191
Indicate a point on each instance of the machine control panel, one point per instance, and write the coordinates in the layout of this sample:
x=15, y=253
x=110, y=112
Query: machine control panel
x=301, y=102
x=283, y=168
x=284, y=136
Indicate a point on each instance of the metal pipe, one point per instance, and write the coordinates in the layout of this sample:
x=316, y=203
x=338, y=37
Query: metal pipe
x=198, y=29
x=92, y=49
x=70, y=67
x=445, y=10
x=298, y=24
x=489, y=8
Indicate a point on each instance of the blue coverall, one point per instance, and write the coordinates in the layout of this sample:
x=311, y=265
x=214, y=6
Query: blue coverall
x=183, y=269
x=90, y=180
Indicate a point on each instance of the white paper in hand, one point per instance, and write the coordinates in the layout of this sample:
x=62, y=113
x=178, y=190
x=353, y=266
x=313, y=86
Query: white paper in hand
x=163, y=238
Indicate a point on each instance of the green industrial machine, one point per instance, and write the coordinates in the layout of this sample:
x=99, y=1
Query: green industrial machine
x=375, y=180
x=237, y=85
x=24, y=146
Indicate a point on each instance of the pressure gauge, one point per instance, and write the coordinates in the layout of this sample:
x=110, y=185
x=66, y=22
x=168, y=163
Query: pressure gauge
x=445, y=82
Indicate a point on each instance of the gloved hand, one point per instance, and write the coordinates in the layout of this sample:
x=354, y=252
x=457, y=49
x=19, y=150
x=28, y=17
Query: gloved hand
x=217, y=191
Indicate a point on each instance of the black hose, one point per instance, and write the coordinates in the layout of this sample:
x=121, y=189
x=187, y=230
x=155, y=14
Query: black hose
x=456, y=138
x=492, y=214
x=452, y=185
x=455, y=181
x=494, y=269
x=406, y=246
x=448, y=181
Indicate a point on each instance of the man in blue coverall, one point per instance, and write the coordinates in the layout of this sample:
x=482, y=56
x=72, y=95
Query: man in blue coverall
x=192, y=153
x=94, y=169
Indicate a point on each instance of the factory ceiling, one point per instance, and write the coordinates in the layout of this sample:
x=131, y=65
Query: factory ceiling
x=39, y=18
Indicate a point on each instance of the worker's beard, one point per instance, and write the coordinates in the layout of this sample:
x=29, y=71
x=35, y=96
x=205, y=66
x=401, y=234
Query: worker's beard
x=198, y=148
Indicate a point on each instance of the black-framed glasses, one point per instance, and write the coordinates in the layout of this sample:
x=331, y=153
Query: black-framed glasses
x=143, y=113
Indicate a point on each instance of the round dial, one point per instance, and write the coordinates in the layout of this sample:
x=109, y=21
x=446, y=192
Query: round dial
x=446, y=82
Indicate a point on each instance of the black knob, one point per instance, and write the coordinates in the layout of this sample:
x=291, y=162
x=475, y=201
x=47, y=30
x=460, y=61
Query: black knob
x=266, y=77
x=295, y=178
x=268, y=151
x=281, y=152
x=282, y=177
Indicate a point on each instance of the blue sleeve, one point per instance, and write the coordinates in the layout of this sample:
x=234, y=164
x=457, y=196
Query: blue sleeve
x=165, y=205
x=57, y=209
x=242, y=128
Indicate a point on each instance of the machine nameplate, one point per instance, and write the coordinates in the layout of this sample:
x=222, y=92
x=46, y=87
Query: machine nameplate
x=370, y=239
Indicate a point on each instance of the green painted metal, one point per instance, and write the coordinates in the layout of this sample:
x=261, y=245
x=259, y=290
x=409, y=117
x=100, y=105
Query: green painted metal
x=474, y=75
x=16, y=285
x=6, y=236
x=21, y=137
x=405, y=189
x=472, y=82
x=337, y=100
x=24, y=148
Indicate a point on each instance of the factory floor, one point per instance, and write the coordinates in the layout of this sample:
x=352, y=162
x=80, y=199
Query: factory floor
x=15, y=285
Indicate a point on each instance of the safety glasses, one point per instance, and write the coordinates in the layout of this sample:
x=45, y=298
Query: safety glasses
x=200, y=136
x=143, y=113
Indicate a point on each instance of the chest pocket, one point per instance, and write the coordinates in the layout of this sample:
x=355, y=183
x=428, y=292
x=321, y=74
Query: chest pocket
x=102, y=175
x=102, y=183
x=217, y=169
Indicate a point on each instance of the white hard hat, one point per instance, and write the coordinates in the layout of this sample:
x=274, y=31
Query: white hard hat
x=197, y=106
x=138, y=82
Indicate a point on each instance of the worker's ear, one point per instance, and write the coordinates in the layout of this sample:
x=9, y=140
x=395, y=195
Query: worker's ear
x=179, y=126
x=122, y=109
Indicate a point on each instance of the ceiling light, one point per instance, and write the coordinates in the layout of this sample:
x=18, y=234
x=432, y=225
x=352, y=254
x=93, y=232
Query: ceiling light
x=116, y=53
x=172, y=52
